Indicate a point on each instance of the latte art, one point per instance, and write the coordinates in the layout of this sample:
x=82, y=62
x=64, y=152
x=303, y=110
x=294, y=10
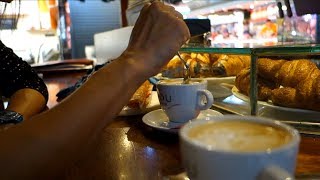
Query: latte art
x=239, y=136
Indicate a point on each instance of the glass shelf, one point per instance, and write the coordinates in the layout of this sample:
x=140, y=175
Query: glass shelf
x=259, y=49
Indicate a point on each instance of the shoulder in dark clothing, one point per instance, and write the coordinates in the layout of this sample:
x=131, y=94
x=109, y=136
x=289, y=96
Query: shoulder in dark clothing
x=16, y=74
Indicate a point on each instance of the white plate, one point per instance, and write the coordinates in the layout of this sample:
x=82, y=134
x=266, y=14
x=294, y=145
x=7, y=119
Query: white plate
x=245, y=98
x=159, y=120
x=219, y=86
x=154, y=104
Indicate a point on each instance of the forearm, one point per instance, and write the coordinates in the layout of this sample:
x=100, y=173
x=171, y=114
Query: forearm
x=57, y=135
x=52, y=139
x=27, y=102
x=104, y=95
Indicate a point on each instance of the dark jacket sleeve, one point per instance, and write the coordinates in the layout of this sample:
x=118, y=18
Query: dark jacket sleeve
x=16, y=74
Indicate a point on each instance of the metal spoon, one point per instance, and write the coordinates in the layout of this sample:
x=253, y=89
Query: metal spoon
x=186, y=73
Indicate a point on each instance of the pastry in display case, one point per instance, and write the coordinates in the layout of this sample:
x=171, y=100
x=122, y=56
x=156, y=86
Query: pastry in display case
x=218, y=69
x=293, y=84
x=285, y=79
x=206, y=65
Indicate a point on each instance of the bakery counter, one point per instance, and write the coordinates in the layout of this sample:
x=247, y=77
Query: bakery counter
x=278, y=81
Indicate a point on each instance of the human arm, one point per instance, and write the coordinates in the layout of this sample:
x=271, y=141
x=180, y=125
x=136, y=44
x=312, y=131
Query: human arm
x=56, y=137
x=27, y=102
x=27, y=92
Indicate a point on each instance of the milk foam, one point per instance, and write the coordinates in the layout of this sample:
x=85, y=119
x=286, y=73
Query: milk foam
x=178, y=82
x=239, y=136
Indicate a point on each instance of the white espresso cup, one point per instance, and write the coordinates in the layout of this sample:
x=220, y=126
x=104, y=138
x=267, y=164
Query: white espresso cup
x=239, y=147
x=183, y=102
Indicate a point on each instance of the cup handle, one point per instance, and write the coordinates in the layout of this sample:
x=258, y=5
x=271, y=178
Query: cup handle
x=274, y=173
x=208, y=96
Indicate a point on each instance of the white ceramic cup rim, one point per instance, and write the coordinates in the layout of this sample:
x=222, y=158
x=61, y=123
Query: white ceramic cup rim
x=183, y=133
x=162, y=82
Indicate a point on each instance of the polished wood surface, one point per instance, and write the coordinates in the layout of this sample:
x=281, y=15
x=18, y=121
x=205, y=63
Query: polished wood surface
x=128, y=149
x=65, y=66
x=57, y=81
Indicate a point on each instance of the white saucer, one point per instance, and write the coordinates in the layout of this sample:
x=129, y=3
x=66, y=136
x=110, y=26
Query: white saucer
x=159, y=120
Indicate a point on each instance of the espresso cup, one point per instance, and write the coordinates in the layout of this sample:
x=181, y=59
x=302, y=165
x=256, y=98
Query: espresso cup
x=182, y=102
x=239, y=147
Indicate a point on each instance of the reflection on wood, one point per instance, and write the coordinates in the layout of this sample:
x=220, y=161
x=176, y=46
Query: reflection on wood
x=60, y=80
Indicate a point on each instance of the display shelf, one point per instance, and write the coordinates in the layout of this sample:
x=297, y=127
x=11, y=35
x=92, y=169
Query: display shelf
x=306, y=122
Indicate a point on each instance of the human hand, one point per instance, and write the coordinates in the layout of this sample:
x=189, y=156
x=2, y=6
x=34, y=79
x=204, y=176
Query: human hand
x=157, y=36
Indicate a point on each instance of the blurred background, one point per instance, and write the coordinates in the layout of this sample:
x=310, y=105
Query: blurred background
x=68, y=29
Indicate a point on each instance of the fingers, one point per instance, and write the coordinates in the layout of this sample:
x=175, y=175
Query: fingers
x=145, y=7
x=172, y=10
x=143, y=12
x=182, y=27
x=176, y=16
x=159, y=20
x=140, y=21
x=168, y=9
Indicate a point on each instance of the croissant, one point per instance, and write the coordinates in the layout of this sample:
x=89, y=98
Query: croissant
x=199, y=63
x=230, y=65
x=265, y=87
x=293, y=72
x=268, y=68
x=175, y=67
x=142, y=97
x=206, y=65
x=306, y=95
x=293, y=83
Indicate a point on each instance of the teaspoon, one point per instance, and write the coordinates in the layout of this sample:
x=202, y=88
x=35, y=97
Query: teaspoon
x=186, y=74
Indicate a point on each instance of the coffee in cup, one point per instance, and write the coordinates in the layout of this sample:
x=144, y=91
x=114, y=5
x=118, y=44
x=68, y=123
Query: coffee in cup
x=182, y=102
x=239, y=147
x=239, y=136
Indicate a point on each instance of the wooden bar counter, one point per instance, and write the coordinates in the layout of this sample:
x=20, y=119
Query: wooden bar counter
x=128, y=149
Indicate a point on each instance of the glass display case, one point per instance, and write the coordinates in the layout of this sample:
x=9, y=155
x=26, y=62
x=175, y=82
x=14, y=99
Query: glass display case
x=293, y=100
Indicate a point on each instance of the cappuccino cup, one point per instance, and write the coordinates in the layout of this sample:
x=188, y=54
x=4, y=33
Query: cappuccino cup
x=239, y=147
x=182, y=102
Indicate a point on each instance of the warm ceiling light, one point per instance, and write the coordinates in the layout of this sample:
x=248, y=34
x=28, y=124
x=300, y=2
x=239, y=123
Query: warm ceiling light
x=284, y=8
